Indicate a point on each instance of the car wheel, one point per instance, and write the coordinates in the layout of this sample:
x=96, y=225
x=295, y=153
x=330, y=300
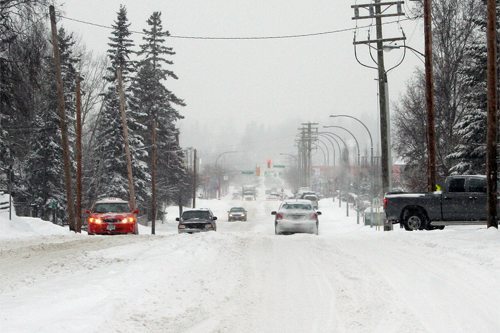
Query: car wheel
x=276, y=231
x=136, y=230
x=316, y=230
x=415, y=220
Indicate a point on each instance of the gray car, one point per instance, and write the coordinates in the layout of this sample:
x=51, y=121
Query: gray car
x=296, y=216
x=196, y=220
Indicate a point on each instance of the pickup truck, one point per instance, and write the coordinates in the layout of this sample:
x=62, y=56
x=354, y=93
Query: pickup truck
x=461, y=202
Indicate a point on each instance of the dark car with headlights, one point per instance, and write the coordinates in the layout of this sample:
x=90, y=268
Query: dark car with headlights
x=237, y=214
x=196, y=220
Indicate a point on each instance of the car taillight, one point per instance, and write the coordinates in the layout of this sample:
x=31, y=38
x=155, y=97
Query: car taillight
x=279, y=216
x=386, y=202
x=314, y=216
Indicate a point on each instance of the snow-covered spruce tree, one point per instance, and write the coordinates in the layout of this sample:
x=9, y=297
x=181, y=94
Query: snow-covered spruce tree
x=152, y=98
x=469, y=156
x=110, y=171
x=452, y=30
x=22, y=47
x=44, y=164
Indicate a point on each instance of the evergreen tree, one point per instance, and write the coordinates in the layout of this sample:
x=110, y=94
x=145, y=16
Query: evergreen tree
x=110, y=173
x=469, y=156
x=150, y=99
x=44, y=164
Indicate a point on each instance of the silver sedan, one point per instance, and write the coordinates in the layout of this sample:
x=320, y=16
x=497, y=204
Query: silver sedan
x=296, y=216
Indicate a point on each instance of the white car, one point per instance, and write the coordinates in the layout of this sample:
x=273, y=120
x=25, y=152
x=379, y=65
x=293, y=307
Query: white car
x=296, y=216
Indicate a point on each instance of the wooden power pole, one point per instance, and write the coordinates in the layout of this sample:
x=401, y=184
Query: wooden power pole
x=195, y=171
x=62, y=120
x=131, y=191
x=78, y=155
x=491, y=140
x=429, y=98
x=379, y=10
x=153, y=173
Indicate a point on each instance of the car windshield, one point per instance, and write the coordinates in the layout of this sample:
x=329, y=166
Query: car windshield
x=237, y=209
x=311, y=197
x=195, y=214
x=297, y=206
x=111, y=207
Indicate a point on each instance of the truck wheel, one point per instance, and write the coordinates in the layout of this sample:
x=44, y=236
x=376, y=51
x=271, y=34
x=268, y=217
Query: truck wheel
x=414, y=221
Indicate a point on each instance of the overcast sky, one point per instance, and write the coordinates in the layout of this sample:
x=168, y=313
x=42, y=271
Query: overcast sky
x=230, y=84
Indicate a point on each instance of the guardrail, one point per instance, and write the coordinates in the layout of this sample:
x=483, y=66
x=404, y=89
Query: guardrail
x=4, y=205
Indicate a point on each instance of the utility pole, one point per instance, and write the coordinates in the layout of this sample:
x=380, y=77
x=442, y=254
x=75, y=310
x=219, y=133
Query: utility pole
x=491, y=142
x=308, y=136
x=195, y=171
x=78, y=155
x=10, y=192
x=154, y=159
x=429, y=98
x=379, y=10
x=131, y=190
x=62, y=121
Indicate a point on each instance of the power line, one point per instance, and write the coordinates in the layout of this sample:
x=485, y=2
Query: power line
x=236, y=37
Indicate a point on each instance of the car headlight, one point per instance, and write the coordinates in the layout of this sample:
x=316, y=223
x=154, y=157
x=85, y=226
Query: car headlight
x=182, y=226
x=128, y=220
x=208, y=226
x=95, y=220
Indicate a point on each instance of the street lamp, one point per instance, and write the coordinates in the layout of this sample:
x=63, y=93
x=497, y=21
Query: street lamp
x=345, y=129
x=216, y=168
x=329, y=139
x=371, y=150
x=297, y=176
x=335, y=136
x=419, y=54
x=363, y=124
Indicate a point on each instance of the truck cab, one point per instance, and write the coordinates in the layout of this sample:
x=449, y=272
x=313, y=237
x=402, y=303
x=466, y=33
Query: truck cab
x=462, y=202
x=464, y=198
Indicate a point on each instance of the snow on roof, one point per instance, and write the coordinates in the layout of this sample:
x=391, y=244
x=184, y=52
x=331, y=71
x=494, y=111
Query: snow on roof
x=111, y=200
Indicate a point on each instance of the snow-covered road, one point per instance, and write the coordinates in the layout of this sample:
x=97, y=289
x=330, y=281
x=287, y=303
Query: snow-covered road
x=243, y=278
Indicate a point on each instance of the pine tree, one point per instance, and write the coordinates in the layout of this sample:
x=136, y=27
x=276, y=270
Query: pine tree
x=110, y=171
x=469, y=156
x=44, y=164
x=152, y=98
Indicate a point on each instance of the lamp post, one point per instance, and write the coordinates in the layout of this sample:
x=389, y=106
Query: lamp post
x=327, y=151
x=421, y=56
x=297, y=177
x=330, y=140
x=363, y=124
x=217, y=170
x=336, y=137
x=345, y=129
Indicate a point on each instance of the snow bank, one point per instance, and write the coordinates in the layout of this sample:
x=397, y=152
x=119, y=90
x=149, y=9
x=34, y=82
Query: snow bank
x=21, y=227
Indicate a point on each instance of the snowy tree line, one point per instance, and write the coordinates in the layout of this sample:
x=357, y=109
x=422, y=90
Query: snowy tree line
x=30, y=138
x=459, y=61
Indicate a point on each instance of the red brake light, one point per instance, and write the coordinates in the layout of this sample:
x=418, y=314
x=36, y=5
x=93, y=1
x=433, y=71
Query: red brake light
x=314, y=216
x=386, y=202
x=279, y=216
